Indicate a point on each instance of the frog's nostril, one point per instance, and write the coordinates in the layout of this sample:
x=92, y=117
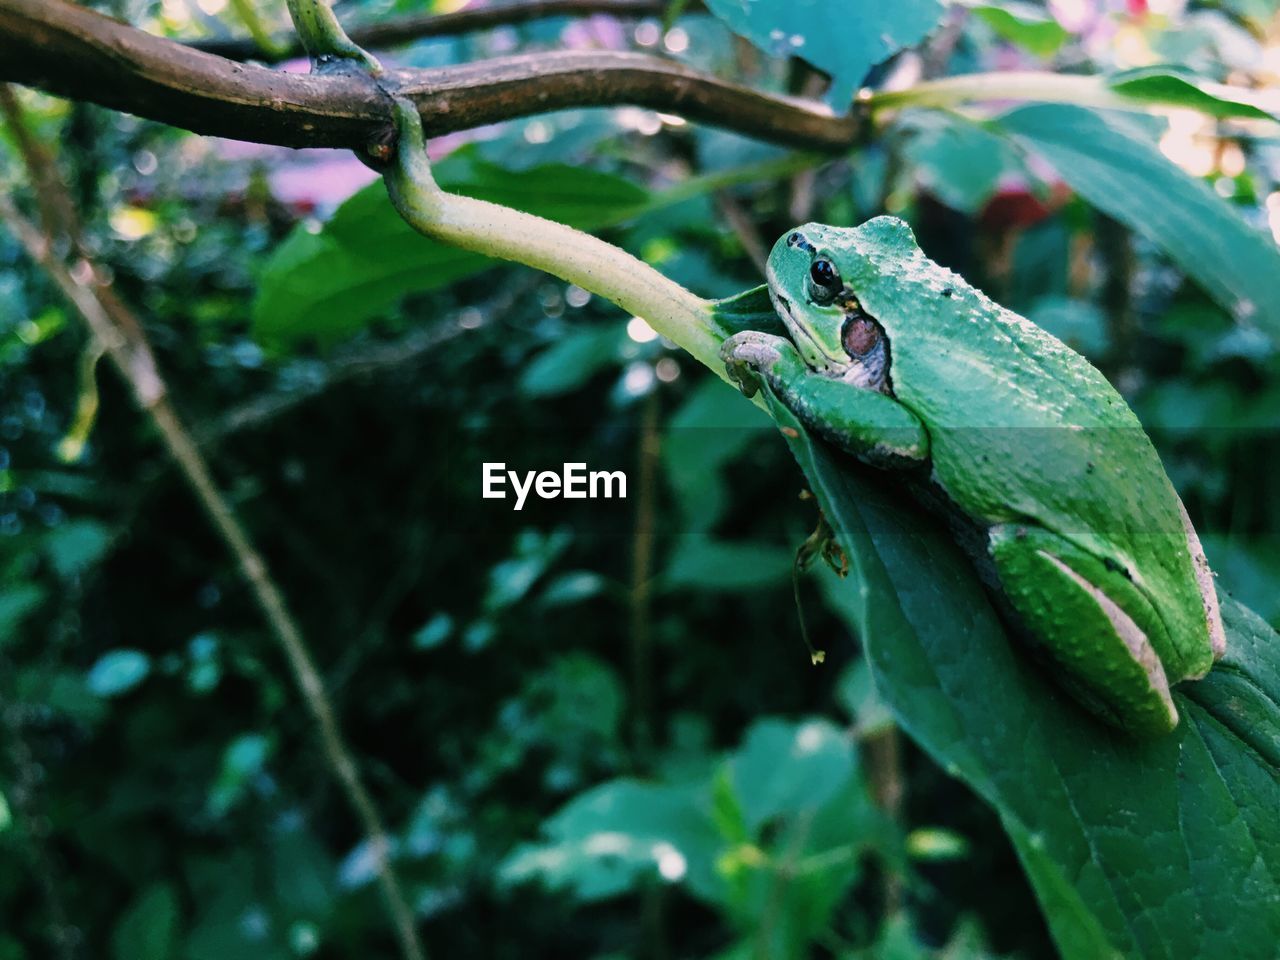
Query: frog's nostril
x=798, y=239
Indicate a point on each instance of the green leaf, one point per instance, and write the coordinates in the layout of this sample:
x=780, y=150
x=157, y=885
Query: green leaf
x=1038, y=35
x=117, y=672
x=76, y=545
x=572, y=361
x=786, y=768
x=572, y=587
x=534, y=552
x=844, y=39
x=1172, y=87
x=149, y=928
x=752, y=309
x=303, y=874
x=715, y=424
x=778, y=831
x=17, y=602
x=607, y=839
x=1111, y=162
x=1162, y=848
x=366, y=259
x=434, y=632
x=957, y=160
x=801, y=818
x=1077, y=323
x=1257, y=10
x=242, y=760
x=700, y=563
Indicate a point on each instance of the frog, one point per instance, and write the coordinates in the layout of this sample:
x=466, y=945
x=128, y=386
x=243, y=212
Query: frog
x=1042, y=472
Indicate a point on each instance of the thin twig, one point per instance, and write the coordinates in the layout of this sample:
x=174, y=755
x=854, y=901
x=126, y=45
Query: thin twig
x=130, y=352
x=641, y=593
x=57, y=212
x=398, y=31
x=882, y=755
x=743, y=228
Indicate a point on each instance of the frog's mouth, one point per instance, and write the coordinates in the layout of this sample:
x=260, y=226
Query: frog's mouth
x=810, y=349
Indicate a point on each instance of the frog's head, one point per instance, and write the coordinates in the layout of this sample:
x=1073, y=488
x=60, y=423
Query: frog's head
x=813, y=273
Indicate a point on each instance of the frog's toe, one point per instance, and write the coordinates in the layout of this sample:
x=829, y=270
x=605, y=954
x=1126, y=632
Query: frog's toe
x=746, y=356
x=741, y=373
x=750, y=348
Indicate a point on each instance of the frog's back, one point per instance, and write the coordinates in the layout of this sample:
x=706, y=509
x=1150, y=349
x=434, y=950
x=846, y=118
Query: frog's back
x=1021, y=427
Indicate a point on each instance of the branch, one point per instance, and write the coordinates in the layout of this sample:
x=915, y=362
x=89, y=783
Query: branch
x=398, y=31
x=66, y=49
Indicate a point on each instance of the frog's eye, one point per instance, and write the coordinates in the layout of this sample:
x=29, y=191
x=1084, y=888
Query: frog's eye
x=824, y=281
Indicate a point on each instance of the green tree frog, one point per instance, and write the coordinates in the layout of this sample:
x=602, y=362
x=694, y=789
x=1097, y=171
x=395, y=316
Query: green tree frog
x=1041, y=470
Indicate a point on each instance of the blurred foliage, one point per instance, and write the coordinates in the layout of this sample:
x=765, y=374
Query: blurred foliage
x=570, y=765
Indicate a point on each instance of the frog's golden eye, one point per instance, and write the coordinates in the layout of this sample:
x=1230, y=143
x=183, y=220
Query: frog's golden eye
x=824, y=281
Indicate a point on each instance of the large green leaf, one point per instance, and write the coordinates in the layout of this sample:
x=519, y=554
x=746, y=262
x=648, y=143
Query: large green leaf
x=1167, y=848
x=844, y=38
x=1110, y=161
x=330, y=284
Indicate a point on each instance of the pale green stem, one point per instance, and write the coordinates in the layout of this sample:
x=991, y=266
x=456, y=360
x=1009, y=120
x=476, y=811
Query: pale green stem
x=1037, y=85
x=496, y=231
x=325, y=40
x=1011, y=85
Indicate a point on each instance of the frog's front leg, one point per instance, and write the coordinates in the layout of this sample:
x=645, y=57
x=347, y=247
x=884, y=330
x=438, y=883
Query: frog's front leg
x=1096, y=624
x=871, y=426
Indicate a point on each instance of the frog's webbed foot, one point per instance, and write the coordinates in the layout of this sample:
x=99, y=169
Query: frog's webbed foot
x=749, y=354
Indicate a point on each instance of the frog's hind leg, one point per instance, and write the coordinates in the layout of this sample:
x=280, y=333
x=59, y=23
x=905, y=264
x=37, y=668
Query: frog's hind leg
x=1095, y=623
